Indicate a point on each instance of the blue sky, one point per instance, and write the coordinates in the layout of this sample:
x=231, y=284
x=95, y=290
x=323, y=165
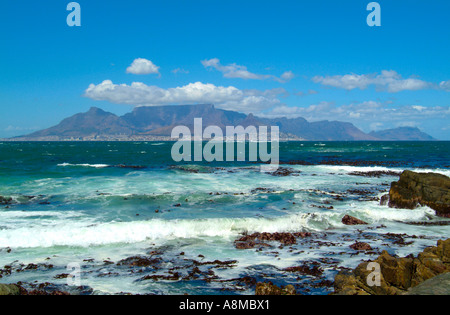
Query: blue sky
x=315, y=59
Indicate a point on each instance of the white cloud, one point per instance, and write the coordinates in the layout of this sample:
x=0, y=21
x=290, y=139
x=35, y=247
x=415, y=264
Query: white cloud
x=310, y=92
x=445, y=85
x=288, y=76
x=143, y=66
x=180, y=70
x=236, y=71
x=231, y=98
x=390, y=81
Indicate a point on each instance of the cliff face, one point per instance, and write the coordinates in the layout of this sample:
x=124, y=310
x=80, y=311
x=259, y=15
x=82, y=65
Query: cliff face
x=160, y=120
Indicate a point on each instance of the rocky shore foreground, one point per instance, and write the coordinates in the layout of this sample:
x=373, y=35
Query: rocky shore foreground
x=400, y=276
x=426, y=273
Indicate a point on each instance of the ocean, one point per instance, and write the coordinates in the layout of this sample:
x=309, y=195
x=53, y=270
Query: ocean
x=134, y=221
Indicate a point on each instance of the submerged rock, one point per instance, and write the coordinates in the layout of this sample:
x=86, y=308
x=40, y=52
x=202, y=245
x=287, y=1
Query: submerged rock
x=424, y=189
x=397, y=275
x=283, y=171
x=5, y=200
x=139, y=261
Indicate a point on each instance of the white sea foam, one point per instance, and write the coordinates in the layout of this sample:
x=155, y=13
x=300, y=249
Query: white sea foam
x=85, y=165
x=75, y=233
x=349, y=169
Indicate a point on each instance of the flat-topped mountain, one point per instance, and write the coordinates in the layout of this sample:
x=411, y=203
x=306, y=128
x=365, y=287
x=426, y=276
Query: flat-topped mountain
x=151, y=122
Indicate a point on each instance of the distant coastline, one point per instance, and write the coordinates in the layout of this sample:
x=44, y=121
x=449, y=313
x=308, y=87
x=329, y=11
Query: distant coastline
x=156, y=123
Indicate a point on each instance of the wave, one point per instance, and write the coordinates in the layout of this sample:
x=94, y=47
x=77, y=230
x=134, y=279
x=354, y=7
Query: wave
x=84, y=165
x=75, y=234
x=83, y=232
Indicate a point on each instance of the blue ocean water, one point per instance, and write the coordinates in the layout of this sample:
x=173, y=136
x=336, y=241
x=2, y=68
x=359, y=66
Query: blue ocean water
x=97, y=203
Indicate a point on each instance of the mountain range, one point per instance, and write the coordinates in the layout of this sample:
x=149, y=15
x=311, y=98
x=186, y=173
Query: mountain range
x=157, y=122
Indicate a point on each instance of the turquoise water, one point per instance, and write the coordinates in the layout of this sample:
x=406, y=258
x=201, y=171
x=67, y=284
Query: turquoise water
x=92, y=203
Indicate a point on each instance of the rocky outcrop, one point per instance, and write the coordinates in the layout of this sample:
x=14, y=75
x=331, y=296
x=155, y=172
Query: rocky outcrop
x=439, y=285
x=268, y=288
x=397, y=275
x=421, y=189
x=9, y=289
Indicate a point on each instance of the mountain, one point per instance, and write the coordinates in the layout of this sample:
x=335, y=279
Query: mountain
x=402, y=134
x=95, y=121
x=157, y=122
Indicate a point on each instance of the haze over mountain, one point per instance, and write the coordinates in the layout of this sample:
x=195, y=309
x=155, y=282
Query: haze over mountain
x=402, y=133
x=152, y=122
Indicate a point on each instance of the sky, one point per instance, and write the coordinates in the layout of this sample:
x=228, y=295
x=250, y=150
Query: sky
x=314, y=59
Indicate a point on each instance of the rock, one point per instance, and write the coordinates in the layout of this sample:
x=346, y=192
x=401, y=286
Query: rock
x=9, y=289
x=360, y=246
x=439, y=285
x=258, y=239
x=282, y=171
x=268, y=288
x=139, y=261
x=425, y=189
x=306, y=270
x=349, y=220
x=5, y=200
x=398, y=275
x=384, y=200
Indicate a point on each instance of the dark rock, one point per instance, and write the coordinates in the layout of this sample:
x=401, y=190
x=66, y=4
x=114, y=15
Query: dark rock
x=250, y=241
x=139, y=261
x=134, y=167
x=268, y=288
x=5, y=200
x=384, y=200
x=360, y=246
x=283, y=171
x=375, y=173
x=306, y=270
x=349, y=220
x=425, y=189
x=429, y=223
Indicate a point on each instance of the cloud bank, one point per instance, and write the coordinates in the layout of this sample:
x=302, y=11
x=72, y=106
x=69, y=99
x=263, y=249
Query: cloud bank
x=231, y=98
x=389, y=81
